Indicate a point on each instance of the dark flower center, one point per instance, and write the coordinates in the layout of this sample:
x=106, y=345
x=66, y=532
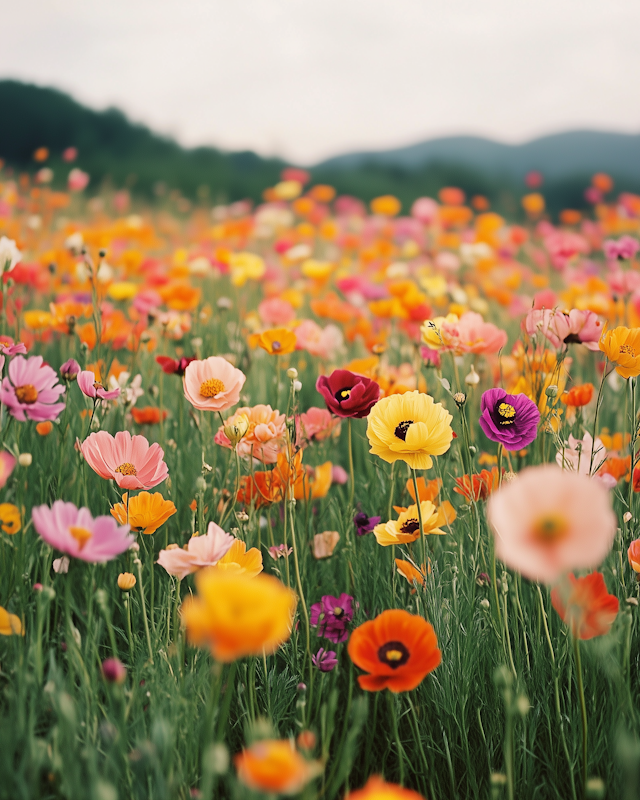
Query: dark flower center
x=393, y=654
x=343, y=394
x=409, y=526
x=401, y=431
x=338, y=612
x=27, y=394
x=506, y=414
x=275, y=346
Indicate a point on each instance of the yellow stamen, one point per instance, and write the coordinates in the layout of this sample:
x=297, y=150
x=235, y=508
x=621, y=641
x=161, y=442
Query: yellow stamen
x=550, y=528
x=393, y=655
x=211, y=388
x=27, y=393
x=127, y=469
x=81, y=535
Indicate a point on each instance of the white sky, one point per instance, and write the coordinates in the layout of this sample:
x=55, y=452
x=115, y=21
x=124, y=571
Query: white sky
x=307, y=79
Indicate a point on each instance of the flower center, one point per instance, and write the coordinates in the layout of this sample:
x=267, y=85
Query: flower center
x=625, y=348
x=550, y=528
x=27, y=393
x=276, y=346
x=127, y=469
x=338, y=612
x=409, y=526
x=393, y=654
x=343, y=394
x=81, y=535
x=507, y=414
x=211, y=388
x=401, y=431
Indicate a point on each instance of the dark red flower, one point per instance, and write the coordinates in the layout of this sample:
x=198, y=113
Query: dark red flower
x=173, y=366
x=347, y=394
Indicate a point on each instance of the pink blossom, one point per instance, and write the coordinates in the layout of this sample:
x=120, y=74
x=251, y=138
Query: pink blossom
x=623, y=249
x=338, y=474
x=91, y=388
x=213, y=384
x=563, y=245
x=77, y=180
x=581, y=455
x=9, y=348
x=325, y=342
x=316, y=424
x=147, y=301
x=425, y=209
x=31, y=390
x=576, y=327
x=75, y=532
x=199, y=552
x=276, y=312
x=7, y=463
x=471, y=334
x=126, y=459
x=265, y=436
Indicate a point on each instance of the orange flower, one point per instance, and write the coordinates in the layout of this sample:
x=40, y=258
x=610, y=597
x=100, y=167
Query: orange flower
x=622, y=347
x=377, y=788
x=477, y=487
x=149, y=415
x=397, y=649
x=240, y=561
x=585, y=605
x=277, y=341
x=533, y=204
x=427, y=491
x=411, y=573
x=147, y=512
x=274, y=767
x=617, y=466
x=181, y=296
x=386, y=206
x=44, y=428
x=578, y=396
x=237, y=615
x=633, y=554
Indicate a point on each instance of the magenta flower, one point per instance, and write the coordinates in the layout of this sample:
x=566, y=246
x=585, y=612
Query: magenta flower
x=347, y=394
x=324, y=660
x=509, y=419
x=331, y=617
x=70, y=370
x=75, y=532
x=126, y=459
x=9, y=348
x=624, y=248
x=114, y=671
x=31, y=390
x=364, y=523
x=91, y=388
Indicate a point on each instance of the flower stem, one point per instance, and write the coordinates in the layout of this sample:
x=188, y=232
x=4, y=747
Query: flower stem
x=423, y=538
x=138, y=564
x=583, y=710
x=352, y=487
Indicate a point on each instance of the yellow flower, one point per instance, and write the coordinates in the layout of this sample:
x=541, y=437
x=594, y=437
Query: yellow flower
x=240, y=561
x=122, y=290
x=622, y=347
x=237, y=616
x=37, y=320
x=245, y=266
x=277, y=341
x=318, y=270
x=147, y=512
x=433, y=335
x=10, y=624
x=126, y=581
x=407, y=527
x=409, y=427
x=9, y=518
x=287, y=190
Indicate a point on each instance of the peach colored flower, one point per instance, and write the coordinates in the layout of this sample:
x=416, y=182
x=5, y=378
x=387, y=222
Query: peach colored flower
x=469, y=334
x=265, y=436
x=324, y=342
x=213, y=384
x=317, y=424
x=324, y=544
x=128, y=460
x=548, y=521
x=199, y=552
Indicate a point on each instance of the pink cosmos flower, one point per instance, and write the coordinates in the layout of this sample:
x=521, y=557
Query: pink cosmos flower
x=265, y=437
x=9, y=348
x=126, y=459
x=276, y=312
x=91, y=388
x=577, y=327
x=548, y=522
x=75, y=532
x=315, y=425
x=624, y=248
x=7, y=463
x=213, y=384
x=31, y=390
x=324, y=342
x=199, y=552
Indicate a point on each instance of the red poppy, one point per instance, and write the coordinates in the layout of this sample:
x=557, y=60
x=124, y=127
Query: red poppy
x=585, y=605
x=173, y=366
x=578, y=396
x=347, y=394
x=397, y=649
x=149, y=415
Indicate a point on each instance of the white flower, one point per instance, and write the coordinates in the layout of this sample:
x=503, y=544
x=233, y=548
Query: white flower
x=74, y=242
x=61, y=565
x=134, y=391
x=9, y=254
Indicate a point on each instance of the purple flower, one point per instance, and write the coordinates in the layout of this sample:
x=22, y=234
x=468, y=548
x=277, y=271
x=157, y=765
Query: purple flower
x=331, y=616
x=365, y=524
x=70, y=370
x=510, y=419
x=324, y=660
x=31, y=390
x=280, y=551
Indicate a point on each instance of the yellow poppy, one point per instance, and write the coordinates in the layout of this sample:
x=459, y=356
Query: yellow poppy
x=407, y=527
x=240, y=561
x=622, y=347
x=10, y=624
x=9, y=518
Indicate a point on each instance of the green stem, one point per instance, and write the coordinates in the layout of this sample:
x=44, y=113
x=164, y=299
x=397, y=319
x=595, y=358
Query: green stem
x=583, y=711
x=138, y=564
x=352, y=486
x=423, y=538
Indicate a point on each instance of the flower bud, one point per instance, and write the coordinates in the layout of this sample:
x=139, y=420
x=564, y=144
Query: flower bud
x=201, y=484
x=25, y=459
x=70, y=370
x=460, y=399
x=472, y=379
x=236, y=427
x=551, y=391
x=126, y=581
x=628, y=516
x=114, y=671
x=292, y=373
x=297, y=386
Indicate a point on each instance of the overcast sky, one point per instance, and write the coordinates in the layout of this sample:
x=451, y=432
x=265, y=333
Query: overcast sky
x=306, y=79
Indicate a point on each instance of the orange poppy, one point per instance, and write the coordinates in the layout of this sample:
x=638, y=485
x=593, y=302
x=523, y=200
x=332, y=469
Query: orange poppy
x=479, y=486
x=578, y=396
x=274, y=767
x=386, y=206
x=376, y=788
x=397, y=650
x=277, y=341
x=44, y=428
x=149, y=415
x=426, y=491
x=585, y=605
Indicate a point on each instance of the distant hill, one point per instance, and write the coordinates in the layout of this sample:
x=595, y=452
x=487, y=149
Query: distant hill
x=557, y=156
x=115, y=150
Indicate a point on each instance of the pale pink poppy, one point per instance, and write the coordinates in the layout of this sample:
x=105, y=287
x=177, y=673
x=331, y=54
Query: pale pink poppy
x=578, y=326
x=315, y=425
x=199, y=552
x=276, y=312
x=324, y=544
x=126, y=459
x=213, y=384
x=324, y=342
x=547, y=522
x=265, y=437
x=582, y=455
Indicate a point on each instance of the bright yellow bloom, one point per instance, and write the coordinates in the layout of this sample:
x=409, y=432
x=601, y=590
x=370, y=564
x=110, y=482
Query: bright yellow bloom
x=622, y=347
x=315, y=483
x=37, y=320
x=244, y=267
x=318, y=270
x=122, y=290
x=147, y=512
x=9, y=518
x=240, y=561
x=409, y=427
x=10, y=624
x=433, y=335
x=407, y=527
x=277, y=341
x=238, y=616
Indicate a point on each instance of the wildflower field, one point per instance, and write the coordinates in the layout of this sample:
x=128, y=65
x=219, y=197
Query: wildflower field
x=317, y=497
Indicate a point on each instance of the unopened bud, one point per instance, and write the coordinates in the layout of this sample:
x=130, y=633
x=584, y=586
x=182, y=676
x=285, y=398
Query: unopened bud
x=460, y=399
x=236, y=427
x=472, y=379
x=551, y=391
x=25, y=459
x=292, y=373
x=126, y=581
x=201, y=484
x=297, y=386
